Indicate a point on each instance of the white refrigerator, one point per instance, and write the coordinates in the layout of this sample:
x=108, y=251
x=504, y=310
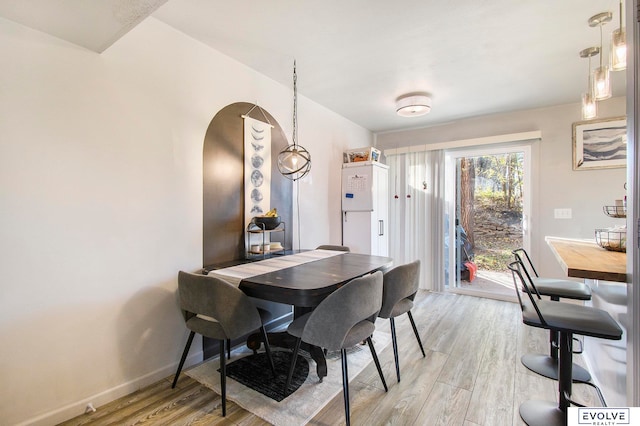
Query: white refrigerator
x=365, y=207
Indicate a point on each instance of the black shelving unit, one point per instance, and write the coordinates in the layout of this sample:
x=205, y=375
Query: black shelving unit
x=258, y=235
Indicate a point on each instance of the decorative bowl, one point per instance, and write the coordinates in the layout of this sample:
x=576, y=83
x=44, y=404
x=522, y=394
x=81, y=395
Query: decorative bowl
x=267, y=222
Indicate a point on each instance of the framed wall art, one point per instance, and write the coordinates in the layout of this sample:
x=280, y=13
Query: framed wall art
x=600, y=144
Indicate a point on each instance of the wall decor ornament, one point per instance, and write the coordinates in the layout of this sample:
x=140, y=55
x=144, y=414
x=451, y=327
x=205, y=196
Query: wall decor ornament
x=257, y=170
x=600, y=144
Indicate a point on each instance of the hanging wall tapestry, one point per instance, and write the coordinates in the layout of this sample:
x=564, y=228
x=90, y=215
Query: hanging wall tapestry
x=257, y=168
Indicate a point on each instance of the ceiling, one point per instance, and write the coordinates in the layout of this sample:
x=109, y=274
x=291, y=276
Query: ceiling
x=356, y=57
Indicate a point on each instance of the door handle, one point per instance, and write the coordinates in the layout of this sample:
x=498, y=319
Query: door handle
x=380, y=228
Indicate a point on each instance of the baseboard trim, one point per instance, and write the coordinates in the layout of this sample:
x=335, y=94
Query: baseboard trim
x=77, y=408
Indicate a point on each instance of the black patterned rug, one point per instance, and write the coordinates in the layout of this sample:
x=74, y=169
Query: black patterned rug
x=254, y=372
x=300, y=406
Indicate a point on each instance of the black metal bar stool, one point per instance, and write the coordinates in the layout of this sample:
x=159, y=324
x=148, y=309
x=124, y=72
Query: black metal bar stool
x=547, y=365
x=566, y=319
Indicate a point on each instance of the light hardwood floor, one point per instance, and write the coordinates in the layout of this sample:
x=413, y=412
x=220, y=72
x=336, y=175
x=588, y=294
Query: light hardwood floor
x=471, y=375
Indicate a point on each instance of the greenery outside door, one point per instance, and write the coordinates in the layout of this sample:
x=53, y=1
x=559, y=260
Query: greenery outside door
x=488, y=205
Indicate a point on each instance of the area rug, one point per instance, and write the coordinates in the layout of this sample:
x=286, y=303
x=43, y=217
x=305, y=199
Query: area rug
x=302, y=405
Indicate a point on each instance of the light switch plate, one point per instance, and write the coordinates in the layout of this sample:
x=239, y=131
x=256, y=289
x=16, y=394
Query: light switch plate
x=562, y=213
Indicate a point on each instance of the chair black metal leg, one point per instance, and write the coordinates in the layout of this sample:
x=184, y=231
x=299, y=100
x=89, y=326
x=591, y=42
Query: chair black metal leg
x=395, y=347
x=184, y=357
x=564, y=370
x=267, y=349
x=345, y=385
x=415, y=331
x=548, y=413
x=228, y=348
x=294, y=358
x=554, y=338
x=375, y=359
x=223, y=378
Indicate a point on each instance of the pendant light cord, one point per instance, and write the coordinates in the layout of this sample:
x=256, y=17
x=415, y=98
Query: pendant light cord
x=601, y=55
x=294, y=136
x=297, y=184
x=620, y=14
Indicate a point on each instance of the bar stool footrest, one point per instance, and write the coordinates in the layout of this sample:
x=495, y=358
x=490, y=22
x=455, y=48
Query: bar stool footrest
x=546, y=366
x=578, y=351
x=542, y=413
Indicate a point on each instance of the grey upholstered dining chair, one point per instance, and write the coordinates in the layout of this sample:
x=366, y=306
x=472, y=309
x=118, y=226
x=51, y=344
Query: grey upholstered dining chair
x=400, y=288
x=342, y=320
x=332, y=247
x=219, y=310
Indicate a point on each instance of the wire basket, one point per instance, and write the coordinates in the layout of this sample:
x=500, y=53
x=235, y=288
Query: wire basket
x=615, y=211
x=612, y=240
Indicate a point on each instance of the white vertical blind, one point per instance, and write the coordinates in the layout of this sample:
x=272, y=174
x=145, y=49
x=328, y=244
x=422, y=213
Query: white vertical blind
x=416, y=213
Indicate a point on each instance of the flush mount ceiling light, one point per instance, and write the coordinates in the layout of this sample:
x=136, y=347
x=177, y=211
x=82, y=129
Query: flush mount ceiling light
x=413, y=105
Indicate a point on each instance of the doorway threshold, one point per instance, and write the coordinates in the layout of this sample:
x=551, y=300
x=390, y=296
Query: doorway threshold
x=488, y=284
x=484, y=294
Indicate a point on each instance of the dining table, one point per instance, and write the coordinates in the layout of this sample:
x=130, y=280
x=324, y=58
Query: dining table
x=302, y=280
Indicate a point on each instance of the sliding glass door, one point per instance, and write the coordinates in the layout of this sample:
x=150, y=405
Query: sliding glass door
x=487, y=216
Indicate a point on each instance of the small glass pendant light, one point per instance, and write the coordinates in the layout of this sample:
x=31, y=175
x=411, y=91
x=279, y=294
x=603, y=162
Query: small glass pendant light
x=619, y=46
x=589, y=105
x=601, y=81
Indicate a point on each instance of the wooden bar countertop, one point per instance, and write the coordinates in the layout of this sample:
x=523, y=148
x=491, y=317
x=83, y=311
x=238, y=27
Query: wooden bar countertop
x=585, y=259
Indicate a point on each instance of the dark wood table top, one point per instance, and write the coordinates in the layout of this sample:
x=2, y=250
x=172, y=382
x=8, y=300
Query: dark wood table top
x=306, y=285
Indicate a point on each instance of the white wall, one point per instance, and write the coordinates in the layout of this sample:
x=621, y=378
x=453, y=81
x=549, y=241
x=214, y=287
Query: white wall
x=554, y=182
x=101, y=205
